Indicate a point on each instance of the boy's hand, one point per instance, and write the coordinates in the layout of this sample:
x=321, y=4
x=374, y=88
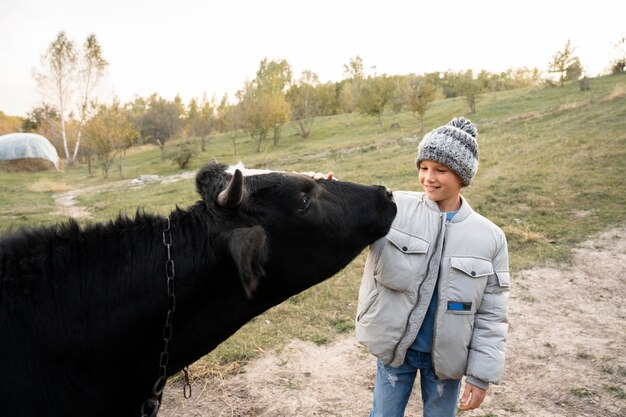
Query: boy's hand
x=472, y=397
x=318, y=175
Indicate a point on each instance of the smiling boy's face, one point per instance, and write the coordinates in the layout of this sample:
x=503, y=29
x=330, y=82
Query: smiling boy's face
x=441, y=185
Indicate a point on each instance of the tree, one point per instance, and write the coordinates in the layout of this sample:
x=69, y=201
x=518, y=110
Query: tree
x=108, y=133
x=251, y=121
x=400, y=96
x=262, y=115
x=375, y=94
x=273, y=77
x=348, y=96
x=262, y=104
x=354, y=69
x=329, y=98
x=561, y=61
x=470, y=88
x=351, y=86
x=69, y=78
x=573, y=71
x=303, y=97
x=420, y=94
x=200, y=120
x=41, y=119
x=229, y=120
x=463, y=84
x=181, y=153
x=618, y=65
x=59, y=67
x=160, y=121
x=90, y=72
x=9, y=124
x=277, y=112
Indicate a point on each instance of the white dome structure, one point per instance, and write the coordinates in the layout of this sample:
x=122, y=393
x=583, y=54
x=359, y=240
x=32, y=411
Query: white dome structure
x=16, y=146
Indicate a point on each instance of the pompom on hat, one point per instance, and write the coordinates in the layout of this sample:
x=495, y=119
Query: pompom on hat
x=453, y=145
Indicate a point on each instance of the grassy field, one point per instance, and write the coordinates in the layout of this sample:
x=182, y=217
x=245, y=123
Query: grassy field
x=552, y=174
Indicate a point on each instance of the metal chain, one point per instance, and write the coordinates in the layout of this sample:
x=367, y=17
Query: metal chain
x=151, y=406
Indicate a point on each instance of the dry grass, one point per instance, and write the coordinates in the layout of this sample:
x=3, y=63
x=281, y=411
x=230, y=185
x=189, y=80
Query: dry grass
x=573, y=105
x=524, y=234
x=26, y=165
x=45, y=185
x=619, y=91
x=521, y=117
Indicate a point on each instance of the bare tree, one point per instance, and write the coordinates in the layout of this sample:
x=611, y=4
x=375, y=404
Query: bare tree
x=562, y=60
x=57, y=78
x=91, y=70
x=69, y=78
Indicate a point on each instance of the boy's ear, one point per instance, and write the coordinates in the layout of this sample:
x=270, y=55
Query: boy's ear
x=247, y=246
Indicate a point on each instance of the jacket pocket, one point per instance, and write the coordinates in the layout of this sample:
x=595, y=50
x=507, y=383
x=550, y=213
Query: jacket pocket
x=467, y=280
x=504, y=279
x=366, y=304
x=401, y=264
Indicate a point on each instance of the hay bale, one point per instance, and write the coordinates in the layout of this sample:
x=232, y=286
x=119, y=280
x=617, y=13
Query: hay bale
x=16, y=149
x=26, y=165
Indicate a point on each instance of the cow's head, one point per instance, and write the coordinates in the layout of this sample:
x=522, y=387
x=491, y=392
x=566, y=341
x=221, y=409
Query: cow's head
x=287, y=232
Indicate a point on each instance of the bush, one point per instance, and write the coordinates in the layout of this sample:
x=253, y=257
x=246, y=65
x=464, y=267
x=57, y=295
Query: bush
x=181, y=155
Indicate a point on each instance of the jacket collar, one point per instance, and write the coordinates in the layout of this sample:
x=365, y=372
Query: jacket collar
x=464, y=211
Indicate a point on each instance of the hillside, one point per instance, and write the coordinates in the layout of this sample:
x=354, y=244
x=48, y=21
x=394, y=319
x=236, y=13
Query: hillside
x=552, y=175
x=546, y=155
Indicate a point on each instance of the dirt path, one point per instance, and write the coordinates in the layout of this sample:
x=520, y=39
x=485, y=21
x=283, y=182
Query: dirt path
x=66, y=204
x=566, y=356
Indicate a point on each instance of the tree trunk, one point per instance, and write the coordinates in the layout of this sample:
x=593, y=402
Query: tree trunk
x=277, y=134
x=64, y=137
x=78, y=137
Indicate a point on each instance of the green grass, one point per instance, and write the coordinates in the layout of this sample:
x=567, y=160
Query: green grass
x=616, y=391
x=582, y=393
x=552, y=174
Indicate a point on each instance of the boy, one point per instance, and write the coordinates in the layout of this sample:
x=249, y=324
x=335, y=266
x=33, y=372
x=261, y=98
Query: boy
x=434, y=293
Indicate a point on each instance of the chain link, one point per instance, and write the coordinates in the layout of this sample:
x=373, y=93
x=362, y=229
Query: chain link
x=187, y=385
x=151, y=406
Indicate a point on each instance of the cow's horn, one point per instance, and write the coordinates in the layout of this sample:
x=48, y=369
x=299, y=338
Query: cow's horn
x=233, y=194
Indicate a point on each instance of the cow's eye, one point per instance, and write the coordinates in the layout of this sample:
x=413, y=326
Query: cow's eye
x=304, y=204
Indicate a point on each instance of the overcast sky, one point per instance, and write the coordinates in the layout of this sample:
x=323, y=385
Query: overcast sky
x=193, y=47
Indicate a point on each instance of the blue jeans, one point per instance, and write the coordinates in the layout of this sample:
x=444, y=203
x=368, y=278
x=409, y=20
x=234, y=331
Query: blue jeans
x=394, y=385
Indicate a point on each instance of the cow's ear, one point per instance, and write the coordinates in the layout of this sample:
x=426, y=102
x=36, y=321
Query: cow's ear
x=248, y=248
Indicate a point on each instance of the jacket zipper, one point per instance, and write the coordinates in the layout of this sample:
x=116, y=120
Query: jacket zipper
x=417, y=301
x=432, y=342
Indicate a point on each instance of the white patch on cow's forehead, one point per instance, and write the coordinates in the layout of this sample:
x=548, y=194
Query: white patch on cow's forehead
x=246, y=171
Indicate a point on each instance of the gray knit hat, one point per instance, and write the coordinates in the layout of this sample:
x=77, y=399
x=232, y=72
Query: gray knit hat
x=453, y=145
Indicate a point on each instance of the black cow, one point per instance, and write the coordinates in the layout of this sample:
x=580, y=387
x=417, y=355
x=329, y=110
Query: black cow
x=82, y=310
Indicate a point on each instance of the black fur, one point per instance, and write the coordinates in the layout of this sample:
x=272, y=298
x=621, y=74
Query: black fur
x=82, y=309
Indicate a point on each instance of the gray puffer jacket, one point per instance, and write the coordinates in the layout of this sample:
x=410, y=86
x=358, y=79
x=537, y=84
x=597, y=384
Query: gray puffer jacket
x=469, y=256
